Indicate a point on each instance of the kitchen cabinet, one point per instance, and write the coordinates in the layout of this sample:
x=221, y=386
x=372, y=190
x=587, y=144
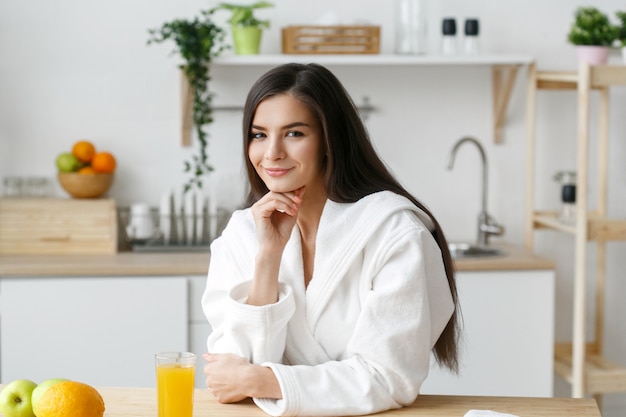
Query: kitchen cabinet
x=581, y=363
x=506, y=347
x=506, y=304
x=199, y=327
x=99, y=330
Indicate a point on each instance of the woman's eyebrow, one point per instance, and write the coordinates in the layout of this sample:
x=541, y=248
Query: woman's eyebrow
x=288, y=126
x=296, y=124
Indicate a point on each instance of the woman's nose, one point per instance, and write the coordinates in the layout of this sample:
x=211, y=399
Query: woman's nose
x=274, y=149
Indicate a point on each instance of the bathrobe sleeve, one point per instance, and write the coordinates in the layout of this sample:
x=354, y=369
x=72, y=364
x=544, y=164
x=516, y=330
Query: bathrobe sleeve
x=256, y=333
x=404, y=309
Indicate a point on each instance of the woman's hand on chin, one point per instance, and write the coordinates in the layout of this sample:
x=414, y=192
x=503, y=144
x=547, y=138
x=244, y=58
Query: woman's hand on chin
x=275, y=215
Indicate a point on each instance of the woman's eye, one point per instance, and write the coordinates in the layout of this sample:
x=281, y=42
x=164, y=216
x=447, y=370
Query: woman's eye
x=257, y=135
x=294, y=133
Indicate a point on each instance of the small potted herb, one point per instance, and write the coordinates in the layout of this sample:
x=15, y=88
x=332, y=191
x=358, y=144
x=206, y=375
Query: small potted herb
x=246, y=28
x=593, y=34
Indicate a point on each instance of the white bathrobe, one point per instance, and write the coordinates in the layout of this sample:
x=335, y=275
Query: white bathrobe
x=358, y=339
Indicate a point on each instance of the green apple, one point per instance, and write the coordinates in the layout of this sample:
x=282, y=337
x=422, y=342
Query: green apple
x=41, y=389
x=67, y=162
x=15, y=399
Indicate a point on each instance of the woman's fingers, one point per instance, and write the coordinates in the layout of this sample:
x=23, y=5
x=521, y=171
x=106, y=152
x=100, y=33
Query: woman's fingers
x=271, y=202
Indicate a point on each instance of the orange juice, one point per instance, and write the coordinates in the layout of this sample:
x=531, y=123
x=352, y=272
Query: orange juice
x=175, y=385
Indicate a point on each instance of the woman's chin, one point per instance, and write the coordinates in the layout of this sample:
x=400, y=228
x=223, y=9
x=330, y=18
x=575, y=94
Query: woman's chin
x=280, y=189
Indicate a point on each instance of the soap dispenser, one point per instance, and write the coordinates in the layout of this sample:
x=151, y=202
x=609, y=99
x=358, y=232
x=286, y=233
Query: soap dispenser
x=567, y=179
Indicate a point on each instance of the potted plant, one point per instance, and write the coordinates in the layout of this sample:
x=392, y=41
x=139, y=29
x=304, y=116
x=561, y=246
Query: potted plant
x=593, y=34
x=197, y=41
x=621, y=36
x=246, y=28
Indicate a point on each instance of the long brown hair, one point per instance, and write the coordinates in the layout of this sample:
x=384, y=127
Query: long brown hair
x=353, y=168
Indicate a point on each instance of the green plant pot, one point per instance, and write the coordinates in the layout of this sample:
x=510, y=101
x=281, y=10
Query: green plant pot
x=247, y=40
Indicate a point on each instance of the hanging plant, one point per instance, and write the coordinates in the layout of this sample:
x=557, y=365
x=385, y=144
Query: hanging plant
x=198, y=41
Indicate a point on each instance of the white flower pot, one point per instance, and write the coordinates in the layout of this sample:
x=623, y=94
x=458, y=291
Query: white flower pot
x=593, y=55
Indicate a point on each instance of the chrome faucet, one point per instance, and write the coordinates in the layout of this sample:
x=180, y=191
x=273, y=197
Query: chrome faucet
x=486, y=224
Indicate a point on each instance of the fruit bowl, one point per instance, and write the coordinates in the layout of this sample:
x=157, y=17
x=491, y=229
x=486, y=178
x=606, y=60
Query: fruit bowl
x=85, y=185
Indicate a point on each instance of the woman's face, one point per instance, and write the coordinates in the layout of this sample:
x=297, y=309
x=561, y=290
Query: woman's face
x=286, y=144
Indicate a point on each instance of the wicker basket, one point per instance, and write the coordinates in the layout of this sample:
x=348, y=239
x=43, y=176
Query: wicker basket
x=331, y=39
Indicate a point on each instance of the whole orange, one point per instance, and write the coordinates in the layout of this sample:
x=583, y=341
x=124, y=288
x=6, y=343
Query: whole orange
x=69, y=399
x=87, y=170
x=84, y=150
x=103, y=162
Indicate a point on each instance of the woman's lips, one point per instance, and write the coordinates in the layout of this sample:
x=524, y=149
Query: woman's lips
x=277, y=172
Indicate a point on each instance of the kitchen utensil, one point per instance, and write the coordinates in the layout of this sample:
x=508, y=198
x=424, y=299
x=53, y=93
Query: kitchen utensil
x=165, y=220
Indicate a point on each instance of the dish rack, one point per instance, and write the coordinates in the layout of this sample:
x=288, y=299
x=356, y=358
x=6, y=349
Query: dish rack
x=153, y=232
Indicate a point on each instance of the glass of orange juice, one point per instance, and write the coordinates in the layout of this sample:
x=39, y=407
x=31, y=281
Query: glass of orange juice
x=175, y=383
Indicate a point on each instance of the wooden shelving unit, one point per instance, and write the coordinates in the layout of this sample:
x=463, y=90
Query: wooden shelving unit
x=580, y=362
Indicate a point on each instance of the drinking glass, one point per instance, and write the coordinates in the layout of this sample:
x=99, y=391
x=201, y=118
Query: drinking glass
x=175, y=383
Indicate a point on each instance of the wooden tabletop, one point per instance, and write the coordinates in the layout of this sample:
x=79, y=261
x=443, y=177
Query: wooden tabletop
x=140, y=402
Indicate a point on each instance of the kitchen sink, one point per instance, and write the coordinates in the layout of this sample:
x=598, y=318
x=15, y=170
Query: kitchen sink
x=469, y=250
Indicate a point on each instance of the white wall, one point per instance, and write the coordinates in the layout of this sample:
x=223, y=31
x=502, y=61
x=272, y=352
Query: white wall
x=74, y=69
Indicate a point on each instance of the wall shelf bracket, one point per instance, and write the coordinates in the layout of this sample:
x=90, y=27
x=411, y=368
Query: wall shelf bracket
x=503, y=80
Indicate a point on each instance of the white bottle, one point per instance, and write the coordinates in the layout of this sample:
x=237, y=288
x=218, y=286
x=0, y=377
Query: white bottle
x=470, y=42
x=448, y=38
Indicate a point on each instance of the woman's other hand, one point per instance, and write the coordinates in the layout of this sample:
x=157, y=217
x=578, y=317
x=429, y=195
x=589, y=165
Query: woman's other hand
x=231, y=378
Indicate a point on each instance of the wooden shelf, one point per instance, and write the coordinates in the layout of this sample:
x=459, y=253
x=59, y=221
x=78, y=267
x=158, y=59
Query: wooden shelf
x=548, y=220
x=601, y=375
x=504, y=69
x=601, y=77
x=580, y=363
x=598, y=228
x=375, y=59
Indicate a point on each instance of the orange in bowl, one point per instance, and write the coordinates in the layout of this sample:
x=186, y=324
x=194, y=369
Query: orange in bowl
x=85, y=185
x=103, y=162
x=84, y=151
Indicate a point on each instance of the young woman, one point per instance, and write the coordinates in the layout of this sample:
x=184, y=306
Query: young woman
x=328, y=293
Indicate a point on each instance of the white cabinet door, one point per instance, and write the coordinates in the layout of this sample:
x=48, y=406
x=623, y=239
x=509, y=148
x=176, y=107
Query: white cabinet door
x=508, y=337
x=199, y=327
x=102, y=331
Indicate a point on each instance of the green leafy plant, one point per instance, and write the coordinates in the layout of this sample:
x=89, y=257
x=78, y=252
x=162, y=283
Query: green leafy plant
x=198, y=41
x=243, y=15
x=592, y=27
x=621, y=36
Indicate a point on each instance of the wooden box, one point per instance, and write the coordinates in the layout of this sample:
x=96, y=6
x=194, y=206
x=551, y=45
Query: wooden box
x=57, y=226
x=331, y=39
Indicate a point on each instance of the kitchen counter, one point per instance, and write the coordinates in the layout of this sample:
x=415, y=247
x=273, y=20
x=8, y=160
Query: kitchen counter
x=194, y=263
x=140, y=402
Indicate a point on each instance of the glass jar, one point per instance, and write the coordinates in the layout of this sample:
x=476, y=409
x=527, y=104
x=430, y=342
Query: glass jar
x=411, y=27
x=13, y=187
